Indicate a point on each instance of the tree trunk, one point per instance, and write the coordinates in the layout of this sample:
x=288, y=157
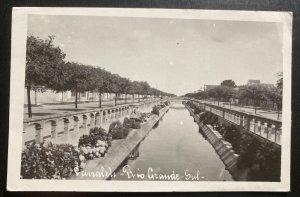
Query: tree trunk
x=29, y=102
x=62, y=96
x=76, y=95
x=278, y=111
x=116, y=97
x=132, y=98
x=35, y=97
x=125, y=98
x=255, y=107
x=100, y=98
x=218, y=102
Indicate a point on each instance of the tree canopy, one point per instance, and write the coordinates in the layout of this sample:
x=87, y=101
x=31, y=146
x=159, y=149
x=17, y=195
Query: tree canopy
x=229, y=83
x=45, y=66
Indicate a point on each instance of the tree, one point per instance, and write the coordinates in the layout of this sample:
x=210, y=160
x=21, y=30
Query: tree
x=221, y=92
x=136, y=88
x=97, y=81
x=274, y=94
x=79, y=78
x=228, y=83
x=280, y=81
x=115, y=87
x=57, y=77
x=125, y=86
x=37, y=89
x=145, y=88
x=40, y=54
x=255, y=92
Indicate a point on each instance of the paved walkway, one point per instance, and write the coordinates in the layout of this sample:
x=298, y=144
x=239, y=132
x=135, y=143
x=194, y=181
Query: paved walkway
x=52, y=109
x=250, y=109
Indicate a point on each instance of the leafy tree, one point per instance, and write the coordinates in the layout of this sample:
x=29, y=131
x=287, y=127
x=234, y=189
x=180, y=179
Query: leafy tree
x=255, y=92
x=145, y=88
x=125, y=86
x=280, y=81
x=97, y=79
x=57, y=77
x=137, y=88
x=274, y=94
x=40, y=54
x=79, y=78
x=37, y=89
x=115, y=87
x=221, y=92
x=228, y=83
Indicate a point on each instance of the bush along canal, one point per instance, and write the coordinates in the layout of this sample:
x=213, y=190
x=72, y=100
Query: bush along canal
x=246, y=156
x=173, y=150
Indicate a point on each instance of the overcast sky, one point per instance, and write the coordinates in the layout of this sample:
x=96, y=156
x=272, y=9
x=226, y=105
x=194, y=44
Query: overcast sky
x=174, y=55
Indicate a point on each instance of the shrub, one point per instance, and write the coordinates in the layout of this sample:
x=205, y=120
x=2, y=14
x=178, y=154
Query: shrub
x=127, y=123
x=135, y=124
x=167, y=103
x=132, y=123
x=98, y=131
x=86, y=140
x=49, y=161
x=117, y=130
x=95, y=144
x=155, y=110
x=197, y=111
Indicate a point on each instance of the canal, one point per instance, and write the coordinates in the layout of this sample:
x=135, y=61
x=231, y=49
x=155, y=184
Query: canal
x=174, y=146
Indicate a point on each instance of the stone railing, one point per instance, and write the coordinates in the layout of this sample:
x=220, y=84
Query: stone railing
x=68, y=127
x=268, y=129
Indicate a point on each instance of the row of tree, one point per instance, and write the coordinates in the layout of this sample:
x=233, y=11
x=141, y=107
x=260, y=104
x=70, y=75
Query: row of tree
x=257, y=93
x=45, y=66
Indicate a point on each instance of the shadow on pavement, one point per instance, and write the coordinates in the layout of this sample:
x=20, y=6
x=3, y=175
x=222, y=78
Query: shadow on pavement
x=40, y=114
x=68, y=109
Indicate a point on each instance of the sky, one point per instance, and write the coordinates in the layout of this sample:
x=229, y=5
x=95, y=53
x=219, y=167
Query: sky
x=174, y=55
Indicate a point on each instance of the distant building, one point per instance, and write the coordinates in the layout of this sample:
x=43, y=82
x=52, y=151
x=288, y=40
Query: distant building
x=253, y=82
x=209, y=87
x=256, y=82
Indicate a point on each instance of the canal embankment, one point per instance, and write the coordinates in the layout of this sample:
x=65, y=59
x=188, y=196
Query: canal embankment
x=104, y=167
x=222, y=147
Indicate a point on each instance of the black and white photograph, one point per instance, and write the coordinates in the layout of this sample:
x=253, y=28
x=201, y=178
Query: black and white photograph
x=107, y=99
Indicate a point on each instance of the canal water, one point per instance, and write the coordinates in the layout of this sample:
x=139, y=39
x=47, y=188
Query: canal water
x=174, y=146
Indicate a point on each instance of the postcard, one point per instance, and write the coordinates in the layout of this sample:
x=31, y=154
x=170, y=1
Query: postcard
x=126, y=99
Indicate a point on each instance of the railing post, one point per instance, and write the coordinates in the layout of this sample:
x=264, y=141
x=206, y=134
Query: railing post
x=92, y=120
x=269, y=130
x=241, y=120
x=53, y=131
x=255, y=129
x=97, y=119
x=66, y=127
x=23, y=138
x=38, y=133
x=84, y=124
x=278, y=134
x=76, y=126
x=248, y=119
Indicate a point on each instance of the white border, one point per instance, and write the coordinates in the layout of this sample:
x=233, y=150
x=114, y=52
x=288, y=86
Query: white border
x=19, y=33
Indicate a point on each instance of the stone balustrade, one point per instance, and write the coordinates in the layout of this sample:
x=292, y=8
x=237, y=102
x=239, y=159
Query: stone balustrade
x=68, y=127
x=268, y=129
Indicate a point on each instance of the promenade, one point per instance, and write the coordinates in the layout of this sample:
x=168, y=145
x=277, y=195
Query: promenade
x=270, y=114
x=61, y=108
